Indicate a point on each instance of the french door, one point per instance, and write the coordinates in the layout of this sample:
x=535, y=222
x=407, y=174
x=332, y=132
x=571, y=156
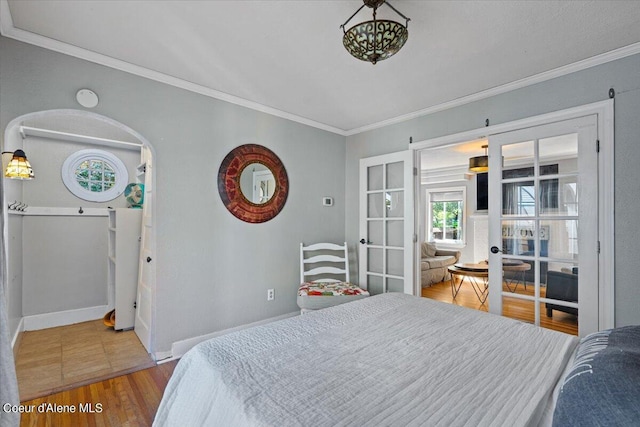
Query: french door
x=543, y=222
x=146, y=266
x=387, y=223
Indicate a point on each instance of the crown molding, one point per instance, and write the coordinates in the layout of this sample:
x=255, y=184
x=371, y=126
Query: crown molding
x=7, y=29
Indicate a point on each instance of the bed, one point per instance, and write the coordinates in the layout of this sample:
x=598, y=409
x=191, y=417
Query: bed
x=391, y=359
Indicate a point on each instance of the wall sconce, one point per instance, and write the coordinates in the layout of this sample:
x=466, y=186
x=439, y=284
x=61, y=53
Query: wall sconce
x=18, y=167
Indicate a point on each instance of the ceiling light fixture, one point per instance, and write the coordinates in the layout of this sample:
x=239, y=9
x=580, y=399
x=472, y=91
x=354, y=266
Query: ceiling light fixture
x=378, y=39
x=479, y=163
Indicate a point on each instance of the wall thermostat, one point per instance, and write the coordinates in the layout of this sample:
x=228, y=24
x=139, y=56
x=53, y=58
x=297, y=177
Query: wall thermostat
x=327, y=201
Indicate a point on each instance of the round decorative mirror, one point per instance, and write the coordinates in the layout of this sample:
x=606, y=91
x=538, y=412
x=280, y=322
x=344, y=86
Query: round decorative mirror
x=253, y=183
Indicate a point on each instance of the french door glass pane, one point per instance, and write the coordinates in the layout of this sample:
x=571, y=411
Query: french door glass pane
x=559, y=320
x=519, y=156
x=375, y=205
x=395, y=262
x=374, y=262
x=518, y=238
x=394, y=285
x=559, y=196
x=395, y=175
x=518, y=198
x=395, y=204
x=520, y=309
x=375, y=231
x=395, y=233
x=562, y=150
x=374, y=284
x=562, y=238
x=374, y=178
x=565, y=267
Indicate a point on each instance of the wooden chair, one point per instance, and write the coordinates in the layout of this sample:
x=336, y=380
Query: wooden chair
x=324, y=277
x=334, y=254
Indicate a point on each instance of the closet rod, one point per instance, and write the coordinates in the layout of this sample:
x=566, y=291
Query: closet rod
x=66, y=136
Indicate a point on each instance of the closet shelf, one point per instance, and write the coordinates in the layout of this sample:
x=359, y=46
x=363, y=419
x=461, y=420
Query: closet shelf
x=57, y=211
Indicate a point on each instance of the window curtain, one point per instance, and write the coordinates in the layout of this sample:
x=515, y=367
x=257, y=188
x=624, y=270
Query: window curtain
x=548, y=189
x=8, y=381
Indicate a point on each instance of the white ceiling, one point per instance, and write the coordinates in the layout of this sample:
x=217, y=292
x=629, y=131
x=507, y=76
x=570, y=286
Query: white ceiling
x=286, y=57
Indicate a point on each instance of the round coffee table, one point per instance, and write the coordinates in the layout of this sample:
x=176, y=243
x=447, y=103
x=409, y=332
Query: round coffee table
x=516, y=267
x=476, y=274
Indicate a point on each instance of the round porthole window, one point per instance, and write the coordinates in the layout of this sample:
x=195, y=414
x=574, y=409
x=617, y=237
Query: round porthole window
x=94, y=175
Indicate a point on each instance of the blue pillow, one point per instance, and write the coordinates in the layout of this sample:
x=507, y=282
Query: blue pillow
x=603, y=386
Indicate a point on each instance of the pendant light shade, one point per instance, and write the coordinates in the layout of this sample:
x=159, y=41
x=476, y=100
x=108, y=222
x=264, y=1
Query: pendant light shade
x=479, y=163
x=378, y=39
x=19, y=167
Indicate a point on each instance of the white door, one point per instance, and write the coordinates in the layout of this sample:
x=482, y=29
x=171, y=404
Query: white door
x=543, y=211
x=147, y=270
x=387, y=223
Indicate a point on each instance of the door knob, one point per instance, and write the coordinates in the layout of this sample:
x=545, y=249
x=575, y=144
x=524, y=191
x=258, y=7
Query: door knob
x=363, y=241
x=495, y=250
x=148, y=259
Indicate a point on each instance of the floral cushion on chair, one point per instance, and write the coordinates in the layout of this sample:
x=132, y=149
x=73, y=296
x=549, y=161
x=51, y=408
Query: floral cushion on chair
x=330, y=289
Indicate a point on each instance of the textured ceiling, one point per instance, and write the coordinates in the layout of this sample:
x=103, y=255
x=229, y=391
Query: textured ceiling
x=287, y=56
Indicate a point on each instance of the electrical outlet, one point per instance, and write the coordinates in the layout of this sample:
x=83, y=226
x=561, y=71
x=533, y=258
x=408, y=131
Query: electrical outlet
x=270, y=295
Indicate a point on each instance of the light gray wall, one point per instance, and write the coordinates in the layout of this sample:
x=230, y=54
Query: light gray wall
x=64, y=258
x=64, y=261
x=213, y=271
x=572, y=90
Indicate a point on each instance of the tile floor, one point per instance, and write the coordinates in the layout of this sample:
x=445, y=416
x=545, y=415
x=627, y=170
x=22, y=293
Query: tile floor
x=56, y=359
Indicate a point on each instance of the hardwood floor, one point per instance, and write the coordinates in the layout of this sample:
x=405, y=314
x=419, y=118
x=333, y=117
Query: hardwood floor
x=128, y=400
x=56, y=359
x=511, y=307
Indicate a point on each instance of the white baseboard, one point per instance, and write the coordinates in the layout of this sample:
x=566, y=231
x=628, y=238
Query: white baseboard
x=16, y=335
x=163, y=357
x=179, y=348
x=61, y=318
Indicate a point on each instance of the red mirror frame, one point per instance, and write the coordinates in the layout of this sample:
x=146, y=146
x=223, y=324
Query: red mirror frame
x=229, y=183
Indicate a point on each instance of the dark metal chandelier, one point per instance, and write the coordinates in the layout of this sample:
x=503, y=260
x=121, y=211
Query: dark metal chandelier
x=378, y=39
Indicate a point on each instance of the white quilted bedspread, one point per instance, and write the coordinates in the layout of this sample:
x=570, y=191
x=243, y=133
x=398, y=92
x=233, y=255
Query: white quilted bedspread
x=388, y=360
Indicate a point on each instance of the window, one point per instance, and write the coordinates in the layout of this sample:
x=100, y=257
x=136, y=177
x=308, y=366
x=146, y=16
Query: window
x=94, y=175
x=446, y=215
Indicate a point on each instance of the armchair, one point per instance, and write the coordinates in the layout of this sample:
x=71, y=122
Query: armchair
x=561, y=286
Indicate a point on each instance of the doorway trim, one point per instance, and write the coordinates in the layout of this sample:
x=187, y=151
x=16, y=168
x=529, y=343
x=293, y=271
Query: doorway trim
x=604, y=110
x=12, y=134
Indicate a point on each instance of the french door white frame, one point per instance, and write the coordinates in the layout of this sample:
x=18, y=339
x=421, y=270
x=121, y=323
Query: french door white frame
x=408, y=248
x=605, y=134
x=585, y=129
